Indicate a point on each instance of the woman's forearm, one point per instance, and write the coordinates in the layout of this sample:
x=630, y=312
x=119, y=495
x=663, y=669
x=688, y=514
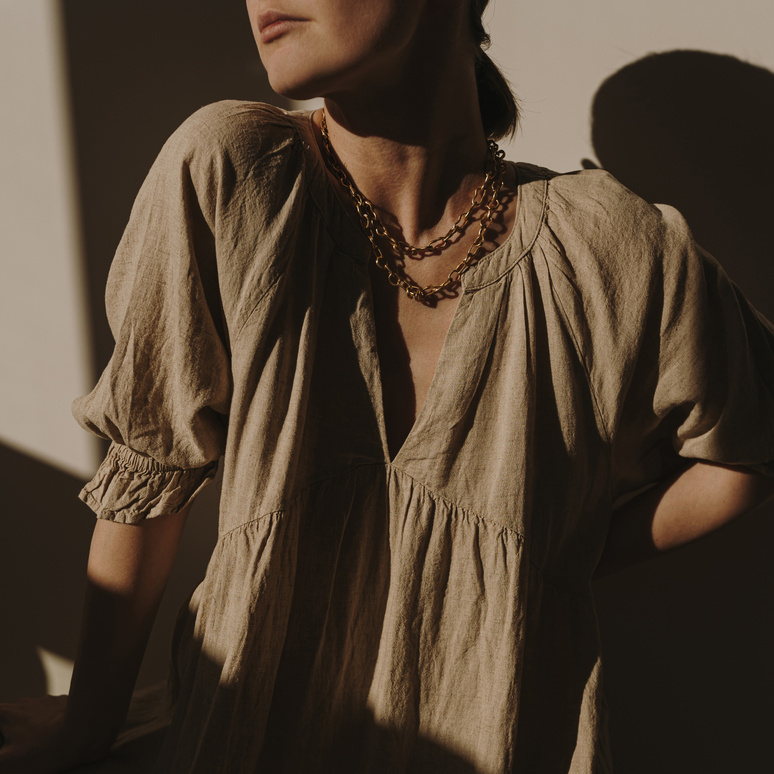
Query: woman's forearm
x=694, y=503
x=128, y=569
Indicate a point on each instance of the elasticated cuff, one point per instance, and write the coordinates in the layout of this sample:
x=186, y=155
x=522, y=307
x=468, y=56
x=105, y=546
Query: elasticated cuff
x=129, y=487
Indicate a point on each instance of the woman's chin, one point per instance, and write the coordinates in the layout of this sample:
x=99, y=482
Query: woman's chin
x=302, y=77
x=296, y=93
x=295, y=88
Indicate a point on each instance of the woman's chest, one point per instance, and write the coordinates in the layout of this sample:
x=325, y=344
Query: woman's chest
x=410, y=338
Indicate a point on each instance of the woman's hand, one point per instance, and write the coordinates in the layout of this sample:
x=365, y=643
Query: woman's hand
x=37, y=739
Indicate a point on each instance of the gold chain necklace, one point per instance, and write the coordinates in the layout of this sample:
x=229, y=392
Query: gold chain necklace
x=374, y=227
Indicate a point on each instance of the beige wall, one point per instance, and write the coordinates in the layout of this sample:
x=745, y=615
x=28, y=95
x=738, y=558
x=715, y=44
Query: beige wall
x=85, y=105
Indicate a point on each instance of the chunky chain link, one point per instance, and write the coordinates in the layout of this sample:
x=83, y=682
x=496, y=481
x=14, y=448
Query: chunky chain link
x=374, y=227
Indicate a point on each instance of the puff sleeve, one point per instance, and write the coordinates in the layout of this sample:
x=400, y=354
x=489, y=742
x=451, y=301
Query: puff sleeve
x=163, y=397
x=697, y=378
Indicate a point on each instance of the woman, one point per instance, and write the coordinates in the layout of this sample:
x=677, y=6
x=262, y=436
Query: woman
x=424, y=447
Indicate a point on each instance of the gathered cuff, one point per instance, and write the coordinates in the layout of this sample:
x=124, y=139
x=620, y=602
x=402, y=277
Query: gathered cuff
x=129, y=487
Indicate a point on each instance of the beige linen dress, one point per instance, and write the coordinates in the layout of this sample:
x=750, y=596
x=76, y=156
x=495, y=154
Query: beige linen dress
x=431, y=612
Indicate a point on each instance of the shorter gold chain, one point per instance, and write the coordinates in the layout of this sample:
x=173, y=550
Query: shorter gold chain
x=374, y=227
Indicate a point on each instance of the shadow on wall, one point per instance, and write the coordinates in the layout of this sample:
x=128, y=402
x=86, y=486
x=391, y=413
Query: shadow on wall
x=688, y=639
x=136, y=71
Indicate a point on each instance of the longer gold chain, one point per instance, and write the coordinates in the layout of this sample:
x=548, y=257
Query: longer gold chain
x=374, y=227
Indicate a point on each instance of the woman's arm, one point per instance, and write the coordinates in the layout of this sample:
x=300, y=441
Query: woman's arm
x=128, y=569
x=697, y=501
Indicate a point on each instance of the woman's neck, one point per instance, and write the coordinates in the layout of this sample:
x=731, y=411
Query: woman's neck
x=417, y=151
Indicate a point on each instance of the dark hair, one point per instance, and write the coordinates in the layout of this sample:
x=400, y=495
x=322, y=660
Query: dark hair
x=499, y=111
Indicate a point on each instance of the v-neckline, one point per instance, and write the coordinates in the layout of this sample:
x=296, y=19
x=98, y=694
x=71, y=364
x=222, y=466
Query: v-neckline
x=433, y=388
x=444, y=364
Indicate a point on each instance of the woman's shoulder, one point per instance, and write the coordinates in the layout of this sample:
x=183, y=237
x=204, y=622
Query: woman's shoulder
x=595, y=222
x=612, y=256
x=594, y=202
x=232, y=153
x=242, y=131
x=231, y=119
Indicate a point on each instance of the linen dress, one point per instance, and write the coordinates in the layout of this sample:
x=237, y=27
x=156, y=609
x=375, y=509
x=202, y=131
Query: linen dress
x=431, y=612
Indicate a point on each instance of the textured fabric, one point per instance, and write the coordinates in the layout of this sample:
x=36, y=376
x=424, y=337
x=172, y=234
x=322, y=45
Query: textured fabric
x=433, y=612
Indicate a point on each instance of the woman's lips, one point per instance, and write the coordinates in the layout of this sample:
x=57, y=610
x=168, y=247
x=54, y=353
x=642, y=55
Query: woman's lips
x=273, y=24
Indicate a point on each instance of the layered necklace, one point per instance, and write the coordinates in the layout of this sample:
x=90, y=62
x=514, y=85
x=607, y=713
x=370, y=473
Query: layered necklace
x=486, y=198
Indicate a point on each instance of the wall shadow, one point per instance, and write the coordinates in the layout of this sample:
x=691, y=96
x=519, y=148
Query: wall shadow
x=687, y=639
